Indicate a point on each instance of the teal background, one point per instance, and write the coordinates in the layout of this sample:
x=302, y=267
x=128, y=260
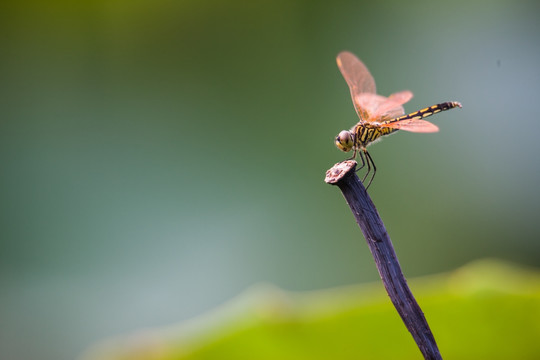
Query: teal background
x=158, y=158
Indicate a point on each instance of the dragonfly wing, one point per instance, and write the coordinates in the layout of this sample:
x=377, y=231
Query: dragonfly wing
x=368, y=105
x=355, y=73
x=401, y=97
x=391, y=108
x=357, y=77
x=412, y=125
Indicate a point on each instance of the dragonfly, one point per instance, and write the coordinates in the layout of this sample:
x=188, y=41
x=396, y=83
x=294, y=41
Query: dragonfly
x=379, y=115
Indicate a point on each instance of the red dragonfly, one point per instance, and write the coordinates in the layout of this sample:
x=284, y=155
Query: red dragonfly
x=379, y=115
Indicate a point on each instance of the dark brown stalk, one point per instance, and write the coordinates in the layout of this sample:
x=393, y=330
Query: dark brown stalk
x=367, y=217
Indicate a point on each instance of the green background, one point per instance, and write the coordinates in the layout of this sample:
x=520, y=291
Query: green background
x=159, y=157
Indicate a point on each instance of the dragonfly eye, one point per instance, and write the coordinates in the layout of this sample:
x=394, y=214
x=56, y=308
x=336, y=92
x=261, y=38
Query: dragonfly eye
x=344, y=141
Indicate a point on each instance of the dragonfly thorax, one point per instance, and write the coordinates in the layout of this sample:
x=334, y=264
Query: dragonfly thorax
x=360, y=136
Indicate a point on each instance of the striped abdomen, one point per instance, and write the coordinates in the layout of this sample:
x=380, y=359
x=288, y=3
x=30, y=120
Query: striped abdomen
x=424, y=113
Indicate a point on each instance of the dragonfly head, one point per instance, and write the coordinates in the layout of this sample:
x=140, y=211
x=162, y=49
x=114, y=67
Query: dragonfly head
x=345, y=141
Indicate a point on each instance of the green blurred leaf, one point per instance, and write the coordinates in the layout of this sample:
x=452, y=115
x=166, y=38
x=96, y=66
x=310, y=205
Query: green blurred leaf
x=487, y=309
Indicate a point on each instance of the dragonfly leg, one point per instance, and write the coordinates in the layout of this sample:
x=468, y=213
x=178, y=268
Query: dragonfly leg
x=353, y=155
x=369, y=160
x=361, y=159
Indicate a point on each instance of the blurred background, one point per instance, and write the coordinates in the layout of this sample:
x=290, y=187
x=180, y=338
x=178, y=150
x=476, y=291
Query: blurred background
x=160, y=157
